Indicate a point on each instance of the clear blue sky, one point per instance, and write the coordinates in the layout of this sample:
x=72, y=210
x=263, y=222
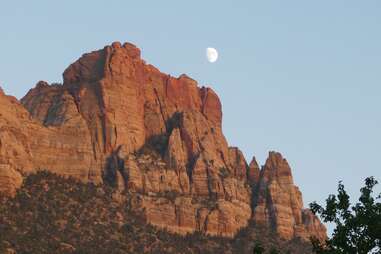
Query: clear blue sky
x=299, y=77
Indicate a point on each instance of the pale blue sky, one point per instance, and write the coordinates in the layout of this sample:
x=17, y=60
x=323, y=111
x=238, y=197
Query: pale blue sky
x=299, y=77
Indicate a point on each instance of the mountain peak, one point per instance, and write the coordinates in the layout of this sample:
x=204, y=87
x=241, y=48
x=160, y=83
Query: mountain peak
x=117, y=120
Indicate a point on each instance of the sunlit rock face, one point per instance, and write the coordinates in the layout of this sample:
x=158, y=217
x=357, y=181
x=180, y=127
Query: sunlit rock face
x=278, y=202
x=120, y=121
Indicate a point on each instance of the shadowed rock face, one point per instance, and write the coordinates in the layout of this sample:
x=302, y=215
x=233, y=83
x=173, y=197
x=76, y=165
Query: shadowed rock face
x=119, y=120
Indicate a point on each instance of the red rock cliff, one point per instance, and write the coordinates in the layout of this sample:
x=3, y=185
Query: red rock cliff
x=119, y=120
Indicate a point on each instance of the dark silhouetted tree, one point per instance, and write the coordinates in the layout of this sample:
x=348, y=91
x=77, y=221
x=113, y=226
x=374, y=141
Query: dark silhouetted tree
x=358, y=227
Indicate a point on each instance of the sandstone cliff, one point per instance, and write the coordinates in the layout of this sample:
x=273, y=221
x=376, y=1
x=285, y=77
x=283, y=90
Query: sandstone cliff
x=119, y=120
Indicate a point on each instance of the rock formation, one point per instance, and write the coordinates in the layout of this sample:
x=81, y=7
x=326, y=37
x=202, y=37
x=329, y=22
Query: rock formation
x=119, y=120
x=278, y=202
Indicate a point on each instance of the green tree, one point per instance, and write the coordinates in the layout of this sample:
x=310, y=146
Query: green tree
x=274, y=251
x=358, y=227
x=258, y=249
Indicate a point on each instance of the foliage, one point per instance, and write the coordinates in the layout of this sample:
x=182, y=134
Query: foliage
x=274, y=251
x=53, y=214
x=258, y=249
x=358, y=227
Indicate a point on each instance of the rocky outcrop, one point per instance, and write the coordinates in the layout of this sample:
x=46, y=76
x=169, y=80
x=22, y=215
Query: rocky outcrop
x=119, y=120
x=61, y=144
x=278, y=202
x=254, y=171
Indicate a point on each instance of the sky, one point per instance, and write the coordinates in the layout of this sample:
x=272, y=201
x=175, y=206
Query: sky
x=299, y=77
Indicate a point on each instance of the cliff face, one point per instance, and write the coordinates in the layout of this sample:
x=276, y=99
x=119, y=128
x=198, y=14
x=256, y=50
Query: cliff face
x=119, y=120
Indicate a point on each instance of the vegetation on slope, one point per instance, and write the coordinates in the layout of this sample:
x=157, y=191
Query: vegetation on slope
x=52, y=214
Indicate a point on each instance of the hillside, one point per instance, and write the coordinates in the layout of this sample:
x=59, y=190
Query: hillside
x=52, y=214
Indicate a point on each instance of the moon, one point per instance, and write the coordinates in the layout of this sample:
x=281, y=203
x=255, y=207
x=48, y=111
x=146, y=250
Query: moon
x=211, y=54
